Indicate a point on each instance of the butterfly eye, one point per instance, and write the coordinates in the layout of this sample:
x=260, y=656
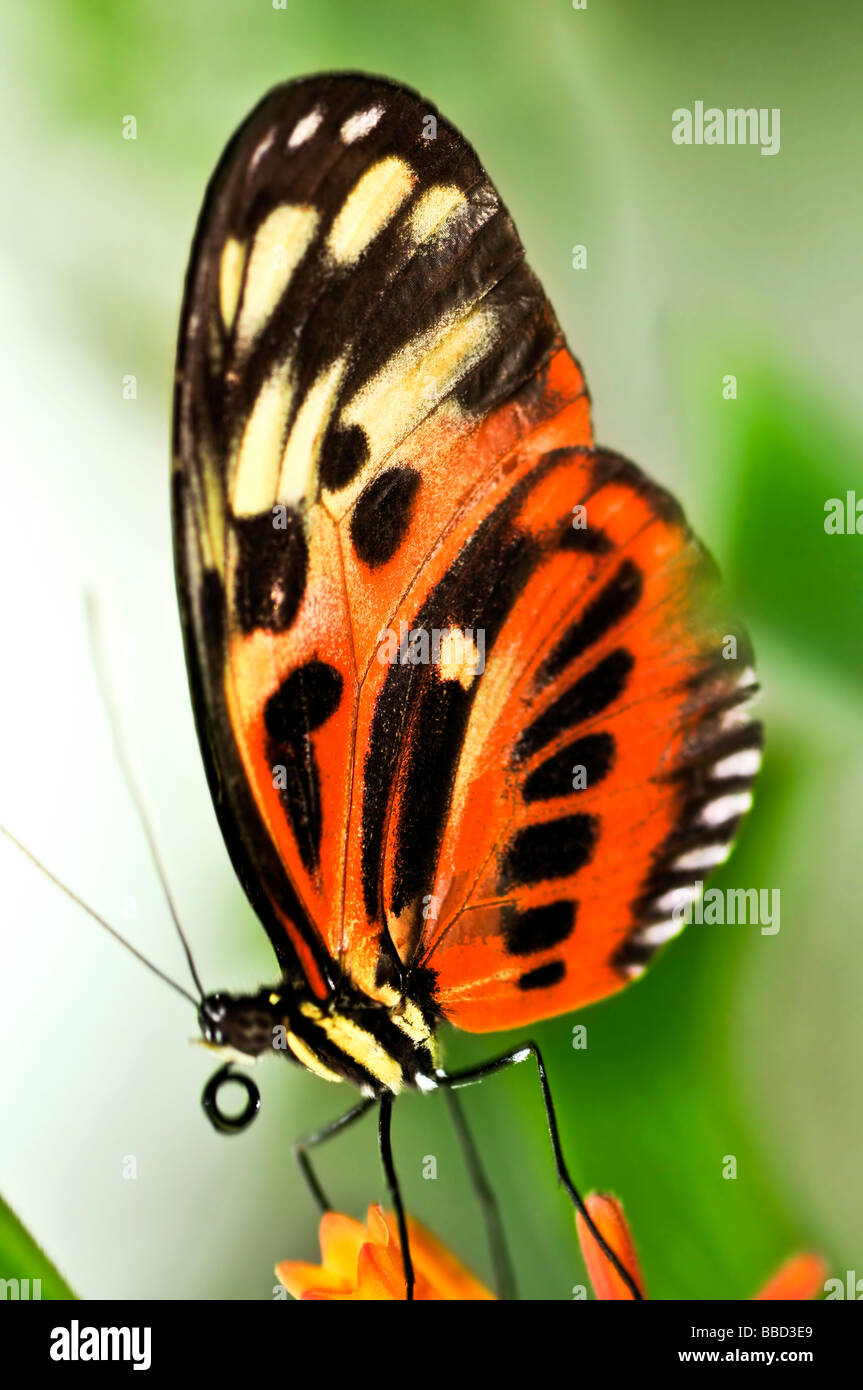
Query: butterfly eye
x=223, y=1122
x=211, y=1016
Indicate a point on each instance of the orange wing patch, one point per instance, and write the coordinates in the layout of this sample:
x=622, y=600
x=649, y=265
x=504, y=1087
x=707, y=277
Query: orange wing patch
x=584, y=809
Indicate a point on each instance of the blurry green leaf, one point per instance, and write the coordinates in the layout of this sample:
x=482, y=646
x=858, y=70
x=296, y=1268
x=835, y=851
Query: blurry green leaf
x=792, y=456
x=21, y=1258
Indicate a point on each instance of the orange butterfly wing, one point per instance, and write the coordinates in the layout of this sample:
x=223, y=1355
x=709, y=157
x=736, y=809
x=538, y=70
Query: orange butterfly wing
x=379, y=440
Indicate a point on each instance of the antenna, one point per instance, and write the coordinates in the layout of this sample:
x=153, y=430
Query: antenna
x=97, y=648
x=101, y=920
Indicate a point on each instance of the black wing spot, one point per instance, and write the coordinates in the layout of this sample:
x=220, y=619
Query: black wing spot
x=585, y=540
x=303, y=702
x=590, y=695
x=543, y=977
x=271, y=570
x=345, y=451
x=611, y=605
x=383, y=514
x=594, y=752
x=553, y=849
x=538, y=928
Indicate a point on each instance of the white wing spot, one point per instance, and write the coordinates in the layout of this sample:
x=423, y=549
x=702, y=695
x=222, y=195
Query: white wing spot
x=743, y=764
x=658, y=933
x=459, y=657
x=262, y=148
x=707, y=857
x=677, y=898
x=358, y=125
x=305, y=128
x=724, y=807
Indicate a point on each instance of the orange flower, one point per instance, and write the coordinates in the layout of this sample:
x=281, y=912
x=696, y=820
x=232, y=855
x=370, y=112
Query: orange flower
x=365, y=1263
x=801, y=1277
x=607, y=1214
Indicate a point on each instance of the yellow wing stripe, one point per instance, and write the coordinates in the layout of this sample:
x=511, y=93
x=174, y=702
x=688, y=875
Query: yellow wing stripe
x=259, y=456
x=371, y=203
x=280, y=243
x=419, y=375
x=230, y=279
x=296, y=478
x=434, y=209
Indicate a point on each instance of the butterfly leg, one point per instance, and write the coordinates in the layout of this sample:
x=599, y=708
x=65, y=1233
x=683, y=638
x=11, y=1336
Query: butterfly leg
x=301, y=1147
x=471, y=1075
x=384, y=1123
x=500, y=1256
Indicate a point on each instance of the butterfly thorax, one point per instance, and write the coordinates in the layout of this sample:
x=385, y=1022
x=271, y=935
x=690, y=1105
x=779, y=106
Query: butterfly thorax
x=378, y=1045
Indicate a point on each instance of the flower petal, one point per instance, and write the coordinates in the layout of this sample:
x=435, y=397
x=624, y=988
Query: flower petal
x=607, y=1214
x=310, y=1281
x=342, y=1238
x=800, y=1277
x=432, y=1261
x=364, y=1263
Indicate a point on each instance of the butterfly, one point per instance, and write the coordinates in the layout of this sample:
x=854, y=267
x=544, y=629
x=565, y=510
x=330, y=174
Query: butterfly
x=472, y=724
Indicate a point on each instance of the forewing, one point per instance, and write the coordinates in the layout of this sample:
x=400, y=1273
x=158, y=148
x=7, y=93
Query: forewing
x=362, y=348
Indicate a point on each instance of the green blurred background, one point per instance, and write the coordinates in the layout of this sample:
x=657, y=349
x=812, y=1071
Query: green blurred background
x=701, y=262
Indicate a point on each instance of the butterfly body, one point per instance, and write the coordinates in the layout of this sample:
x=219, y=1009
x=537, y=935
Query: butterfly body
x=379, y=1047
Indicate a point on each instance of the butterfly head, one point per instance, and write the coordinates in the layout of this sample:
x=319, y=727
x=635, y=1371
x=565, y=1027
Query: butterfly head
x=237, y=1027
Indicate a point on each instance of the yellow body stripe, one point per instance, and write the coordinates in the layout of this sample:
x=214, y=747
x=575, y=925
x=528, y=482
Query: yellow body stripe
x=304, y=1054
x=359, y=1044
x=410, y=1020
